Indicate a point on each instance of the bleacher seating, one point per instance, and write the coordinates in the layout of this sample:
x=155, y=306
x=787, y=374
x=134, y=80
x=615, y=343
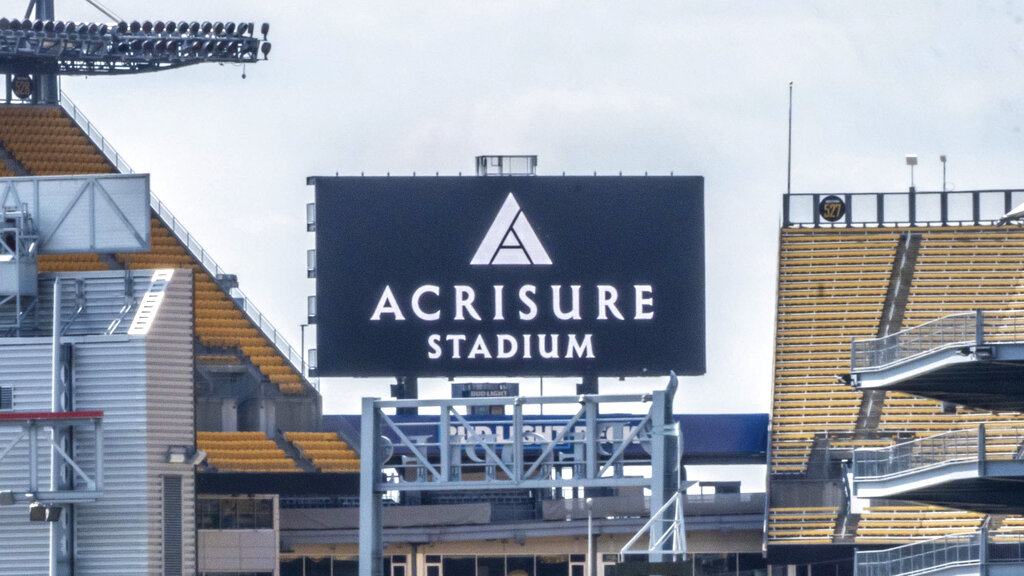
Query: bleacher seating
x=810, y=525
x=70, y=263
x=965, y=270
x=961, y=270
x=219, y=322
x=326, y=450
x=896, y=524
x=47, y=142
x=243, y=452
x=832, y=288
x=1011, y=528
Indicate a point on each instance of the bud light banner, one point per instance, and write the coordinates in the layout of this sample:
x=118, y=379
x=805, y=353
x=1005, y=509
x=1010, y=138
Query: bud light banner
x=510, y=276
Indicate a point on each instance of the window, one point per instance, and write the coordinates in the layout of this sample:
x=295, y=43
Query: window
x=235, y=513
x=6, y=398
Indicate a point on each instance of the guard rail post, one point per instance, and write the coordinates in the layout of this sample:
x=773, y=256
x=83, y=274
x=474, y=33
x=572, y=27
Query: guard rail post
x=981, y=450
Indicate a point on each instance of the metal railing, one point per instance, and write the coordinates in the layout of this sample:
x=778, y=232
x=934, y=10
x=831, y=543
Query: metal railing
x=979, y=444
x=879, y=353
x=191, y=244
x=977, y=328
x=876, y=209
x=916, y=455
x=921, y=557
x=1005, y=548
x=941, y=553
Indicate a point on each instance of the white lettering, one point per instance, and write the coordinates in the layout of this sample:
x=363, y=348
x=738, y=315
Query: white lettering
x=434, y=341
x=479, y=348
x=464, y=297
x=546, y=352
x=526, y=294
x=556, y=303
x=507, y=346
x=644, y=302
x=606, y=298
x=417, y=308
x=526, y=346
x=584, y=349
x=387, y=305
x=499, y=302
x=456, y=340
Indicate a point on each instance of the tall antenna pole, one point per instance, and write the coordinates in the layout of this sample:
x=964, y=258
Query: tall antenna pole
x=789, y=149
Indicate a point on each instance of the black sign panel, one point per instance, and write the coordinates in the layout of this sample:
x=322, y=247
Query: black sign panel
x=495, y=276
x=832, y=208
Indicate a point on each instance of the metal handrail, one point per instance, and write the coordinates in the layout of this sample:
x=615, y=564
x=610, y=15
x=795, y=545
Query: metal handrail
x=921, y=557
x=879, y=353
x=919, y=454
x=295, y=358
x=977, y=327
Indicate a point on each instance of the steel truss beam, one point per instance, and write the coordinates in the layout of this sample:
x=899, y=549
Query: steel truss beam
x=33, y=427
x=591, y=444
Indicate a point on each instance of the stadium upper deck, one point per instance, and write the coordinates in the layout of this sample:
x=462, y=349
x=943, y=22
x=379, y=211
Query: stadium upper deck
x=888, y=262
x=47, y=140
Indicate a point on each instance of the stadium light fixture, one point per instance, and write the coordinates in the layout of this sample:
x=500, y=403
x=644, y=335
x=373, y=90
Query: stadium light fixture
x=912, y=161
x=177, y=454
x=942, y=158
x=59, y=47
x=36, y=512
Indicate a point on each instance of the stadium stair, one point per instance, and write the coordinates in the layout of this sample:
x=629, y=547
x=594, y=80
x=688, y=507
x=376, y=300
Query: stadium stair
x=9, y=165
x=832, y=287
x=244, y=452
x=899, y=284
x=326, y=450
x=846, y=529
x=293, y=452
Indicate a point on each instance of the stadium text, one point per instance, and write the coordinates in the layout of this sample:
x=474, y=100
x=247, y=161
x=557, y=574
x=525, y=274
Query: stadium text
x=560, y=303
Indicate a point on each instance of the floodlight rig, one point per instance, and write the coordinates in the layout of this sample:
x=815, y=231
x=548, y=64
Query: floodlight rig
x=69, y=48
x=34, y=51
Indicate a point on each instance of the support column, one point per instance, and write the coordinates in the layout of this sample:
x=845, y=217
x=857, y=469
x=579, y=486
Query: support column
x=371, y=534
x=46, y=84
x=406, y=388
x=60, y=476
x=664, y=457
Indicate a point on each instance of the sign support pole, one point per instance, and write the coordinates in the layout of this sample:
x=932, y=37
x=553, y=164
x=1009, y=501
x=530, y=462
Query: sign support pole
x=371, y=534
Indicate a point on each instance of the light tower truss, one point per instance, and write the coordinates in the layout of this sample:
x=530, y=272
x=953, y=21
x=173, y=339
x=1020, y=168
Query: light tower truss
x=580, y=446
x=70, y=48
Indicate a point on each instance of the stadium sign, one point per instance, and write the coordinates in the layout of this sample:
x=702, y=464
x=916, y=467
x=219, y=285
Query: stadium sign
x=510, y=276
x=832, y=208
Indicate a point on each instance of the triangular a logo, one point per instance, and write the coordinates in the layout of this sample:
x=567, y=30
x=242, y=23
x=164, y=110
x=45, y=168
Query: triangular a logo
x=511, y=240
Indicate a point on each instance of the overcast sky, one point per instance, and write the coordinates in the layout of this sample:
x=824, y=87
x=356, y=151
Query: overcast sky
x=675, y=86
